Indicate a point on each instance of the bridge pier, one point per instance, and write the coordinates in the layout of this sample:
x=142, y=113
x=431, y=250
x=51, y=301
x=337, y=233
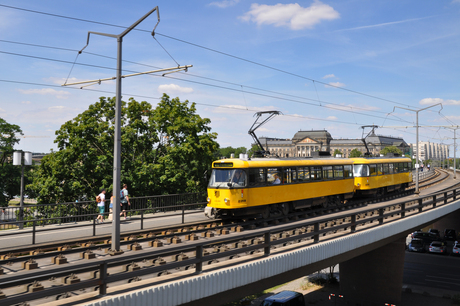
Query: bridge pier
x=451, y=220
x=374, y=278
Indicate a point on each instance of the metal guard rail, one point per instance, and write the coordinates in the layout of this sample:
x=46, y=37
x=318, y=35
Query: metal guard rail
x=103, y=265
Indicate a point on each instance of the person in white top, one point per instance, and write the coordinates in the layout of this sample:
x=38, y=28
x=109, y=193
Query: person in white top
x=101, y=206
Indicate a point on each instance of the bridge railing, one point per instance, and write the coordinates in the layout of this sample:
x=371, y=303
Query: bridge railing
x=73, y=212
x=262, y=241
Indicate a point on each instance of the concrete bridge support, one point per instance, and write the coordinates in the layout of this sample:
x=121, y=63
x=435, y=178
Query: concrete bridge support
x=374, y=278
x=449, y=221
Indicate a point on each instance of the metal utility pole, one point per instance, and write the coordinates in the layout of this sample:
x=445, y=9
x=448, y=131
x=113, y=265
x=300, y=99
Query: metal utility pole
x=418, y=149
x=115, y=247
x=18, y=160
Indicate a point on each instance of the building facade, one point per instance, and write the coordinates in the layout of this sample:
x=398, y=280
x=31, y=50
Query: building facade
x=375, y=144
x=430, y=150
x=304, y=143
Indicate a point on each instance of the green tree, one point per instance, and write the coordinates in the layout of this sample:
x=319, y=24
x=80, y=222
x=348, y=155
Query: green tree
x=226, y=152
x=253, y=149
x=165, y=150
x=337, y=151
x=391, y=149
x=10, y=176
x=355, y=153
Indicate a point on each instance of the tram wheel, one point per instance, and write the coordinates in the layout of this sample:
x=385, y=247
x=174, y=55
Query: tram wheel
x=284, y=207
x=266, y=212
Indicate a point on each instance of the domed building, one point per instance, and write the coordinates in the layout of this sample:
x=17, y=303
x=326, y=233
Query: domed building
x=303, y=144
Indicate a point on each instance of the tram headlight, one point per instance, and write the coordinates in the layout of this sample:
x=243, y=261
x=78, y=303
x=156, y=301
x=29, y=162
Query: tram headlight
x=208, y=199
x=226, y=200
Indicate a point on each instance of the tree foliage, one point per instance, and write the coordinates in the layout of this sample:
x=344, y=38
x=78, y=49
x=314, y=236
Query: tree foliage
x=252, y=150
x=391, y=149
x=337, y=151
x=10, y=176
x=226, y=152
x=165, y=150
x=355, y=153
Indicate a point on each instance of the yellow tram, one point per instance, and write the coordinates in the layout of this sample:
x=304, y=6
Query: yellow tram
x=379, y=175
x=268, y=186
x=263, y=187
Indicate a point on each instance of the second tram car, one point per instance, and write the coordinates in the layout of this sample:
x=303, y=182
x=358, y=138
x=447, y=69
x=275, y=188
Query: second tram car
x=379, y=175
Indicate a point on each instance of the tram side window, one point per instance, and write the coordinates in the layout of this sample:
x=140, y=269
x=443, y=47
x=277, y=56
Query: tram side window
x=315, y=173
x=348, y=171
x=373, y=169
x=386, y=169
x=338, y=172
x=303, y=174
x=290, y=175
x=360, y=170
x=379, y=169
x=327, y=173
x=406, y=167
x=274, y=176
x=391, y=168
x=256, y=177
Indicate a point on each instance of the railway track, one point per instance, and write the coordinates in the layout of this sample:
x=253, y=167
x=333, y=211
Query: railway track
x=165, y=246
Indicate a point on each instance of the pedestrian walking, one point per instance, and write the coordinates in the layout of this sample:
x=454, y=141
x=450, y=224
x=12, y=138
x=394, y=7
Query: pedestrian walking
x=101, y=206
x=124, y=201
x=111, y=208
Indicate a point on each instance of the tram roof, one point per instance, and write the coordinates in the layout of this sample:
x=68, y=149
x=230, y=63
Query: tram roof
x=280, y=162
x=380, y=160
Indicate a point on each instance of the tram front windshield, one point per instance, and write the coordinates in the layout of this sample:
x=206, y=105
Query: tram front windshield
x=360, y=170
x=221, y=178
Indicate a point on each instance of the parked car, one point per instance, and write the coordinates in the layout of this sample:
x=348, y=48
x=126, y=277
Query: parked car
x=450, y=234
x=438, y=247
x=284, y=298
x=456, y=248
x=416, y=245
x=426, y=237
x=435, y=232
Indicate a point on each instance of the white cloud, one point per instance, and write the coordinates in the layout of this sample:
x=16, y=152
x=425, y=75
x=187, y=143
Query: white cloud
x=291, y=15
x=60, y=81
x=335, y=84
x=25, y=102
x=385, y=24
x=428, y=101
x=455, y=1
x=453, y=118
x=331, y=118
x=224, y=3
x=328, y=76
x=351, y=107
x=2, y=110
x=60, y=94
x=55, y=115
x=173, y=88
x=236, y=109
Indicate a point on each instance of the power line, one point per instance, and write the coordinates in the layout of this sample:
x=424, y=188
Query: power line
x=211, y=79
x=198, y=103
x=209, y=49
x=201, y=83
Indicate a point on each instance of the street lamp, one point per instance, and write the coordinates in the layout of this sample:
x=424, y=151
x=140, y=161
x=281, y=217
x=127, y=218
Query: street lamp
x=18, y=161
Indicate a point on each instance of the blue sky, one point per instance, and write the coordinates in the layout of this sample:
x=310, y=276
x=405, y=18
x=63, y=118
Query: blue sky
x=271, y=56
